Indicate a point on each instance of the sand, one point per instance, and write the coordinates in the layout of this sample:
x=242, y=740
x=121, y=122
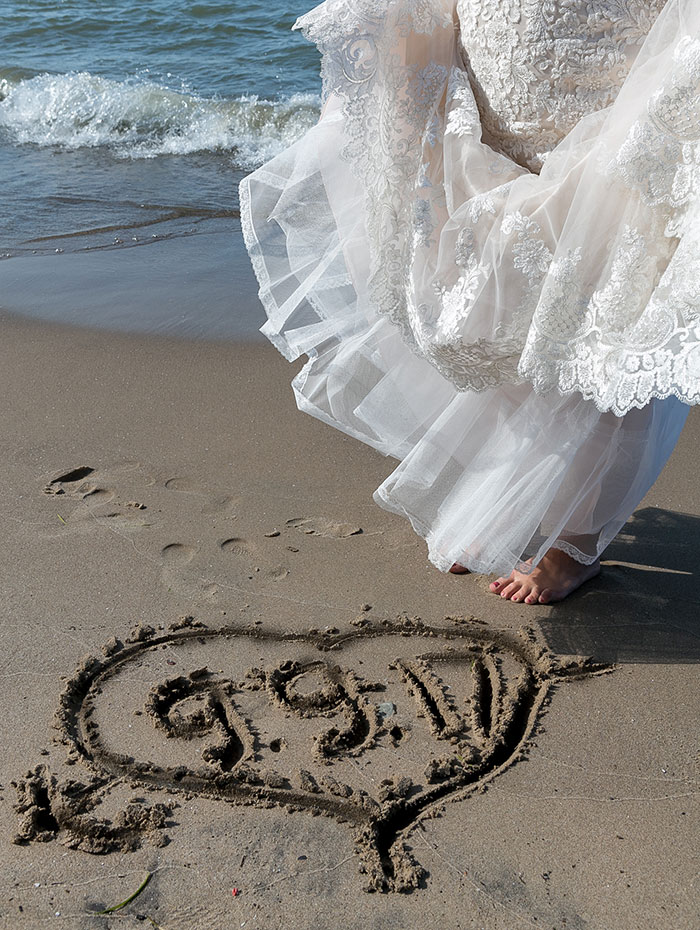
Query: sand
x=224, y=667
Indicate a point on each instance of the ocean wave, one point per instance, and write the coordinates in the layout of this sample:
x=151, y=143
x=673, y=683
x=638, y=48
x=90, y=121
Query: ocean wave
x=139, y=118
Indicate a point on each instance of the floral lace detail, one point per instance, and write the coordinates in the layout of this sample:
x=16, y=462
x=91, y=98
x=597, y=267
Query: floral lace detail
x=539, y=66
x=638, y=335
x=486, y=362
x=463, y=117
x=454, y=300
x=339, y=28
x=660, y=157
x=482, y=203
x=533, y=258
x=477, y=365
x=635, y=338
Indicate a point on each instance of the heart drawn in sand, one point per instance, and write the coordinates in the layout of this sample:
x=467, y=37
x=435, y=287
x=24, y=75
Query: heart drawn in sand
x=376, y=727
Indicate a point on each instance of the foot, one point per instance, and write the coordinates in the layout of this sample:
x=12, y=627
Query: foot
x=458, y=569
x=555, y=576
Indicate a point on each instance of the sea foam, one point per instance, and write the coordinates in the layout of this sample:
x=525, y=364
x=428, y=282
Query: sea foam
x=139, y=118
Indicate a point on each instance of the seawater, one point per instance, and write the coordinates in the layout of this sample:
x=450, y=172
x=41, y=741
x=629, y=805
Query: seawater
x=124, y=130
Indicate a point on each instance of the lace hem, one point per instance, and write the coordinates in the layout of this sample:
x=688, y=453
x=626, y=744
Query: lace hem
x=472, y=562
x=575, y=553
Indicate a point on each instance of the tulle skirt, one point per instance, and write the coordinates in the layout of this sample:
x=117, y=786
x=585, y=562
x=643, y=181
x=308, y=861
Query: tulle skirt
x=494, y=478
x=491, y=476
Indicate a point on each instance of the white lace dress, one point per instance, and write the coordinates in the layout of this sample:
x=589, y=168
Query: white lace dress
x=489, y=250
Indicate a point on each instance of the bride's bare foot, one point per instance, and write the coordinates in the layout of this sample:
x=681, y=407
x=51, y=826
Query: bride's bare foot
x=458, y=569
x=556, y=575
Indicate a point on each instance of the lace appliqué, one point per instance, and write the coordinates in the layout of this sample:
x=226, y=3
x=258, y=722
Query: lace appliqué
x=463, y=116
x=538, y=67
x=638, y=335
x=483, y=363
x=477, y=365
x=660, y=158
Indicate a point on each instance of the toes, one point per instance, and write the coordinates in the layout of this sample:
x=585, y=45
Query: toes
x=510, y=589
x=498, y=584
x=533, y=596
x=546, y=596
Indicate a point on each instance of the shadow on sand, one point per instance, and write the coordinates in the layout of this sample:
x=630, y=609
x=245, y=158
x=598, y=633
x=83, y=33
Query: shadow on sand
x=645, y=604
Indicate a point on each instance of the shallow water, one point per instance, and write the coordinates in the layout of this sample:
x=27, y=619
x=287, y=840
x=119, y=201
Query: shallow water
x=125, y=125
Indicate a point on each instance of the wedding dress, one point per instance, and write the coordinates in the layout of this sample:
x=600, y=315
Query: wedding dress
x=489, y=249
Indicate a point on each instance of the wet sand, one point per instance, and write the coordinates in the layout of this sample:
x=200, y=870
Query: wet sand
x=225, y=667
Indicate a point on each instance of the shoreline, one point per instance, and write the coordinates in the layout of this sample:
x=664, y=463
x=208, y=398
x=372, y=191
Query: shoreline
x=196, y=278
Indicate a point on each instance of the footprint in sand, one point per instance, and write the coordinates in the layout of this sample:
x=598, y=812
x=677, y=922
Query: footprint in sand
x=125, y=520
x=313, y=526
x=89, y=490
x=215, y=572
x=221, y=503
x=93, y=494
x=67, y=480
x=177, y=554
x=277, y=574
x=73, y=483
x=181, y=484
x=239, y=546
x=248, y=550
x=179, y=575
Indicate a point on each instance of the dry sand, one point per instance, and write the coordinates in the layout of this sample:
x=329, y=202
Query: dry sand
x=284, y=698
